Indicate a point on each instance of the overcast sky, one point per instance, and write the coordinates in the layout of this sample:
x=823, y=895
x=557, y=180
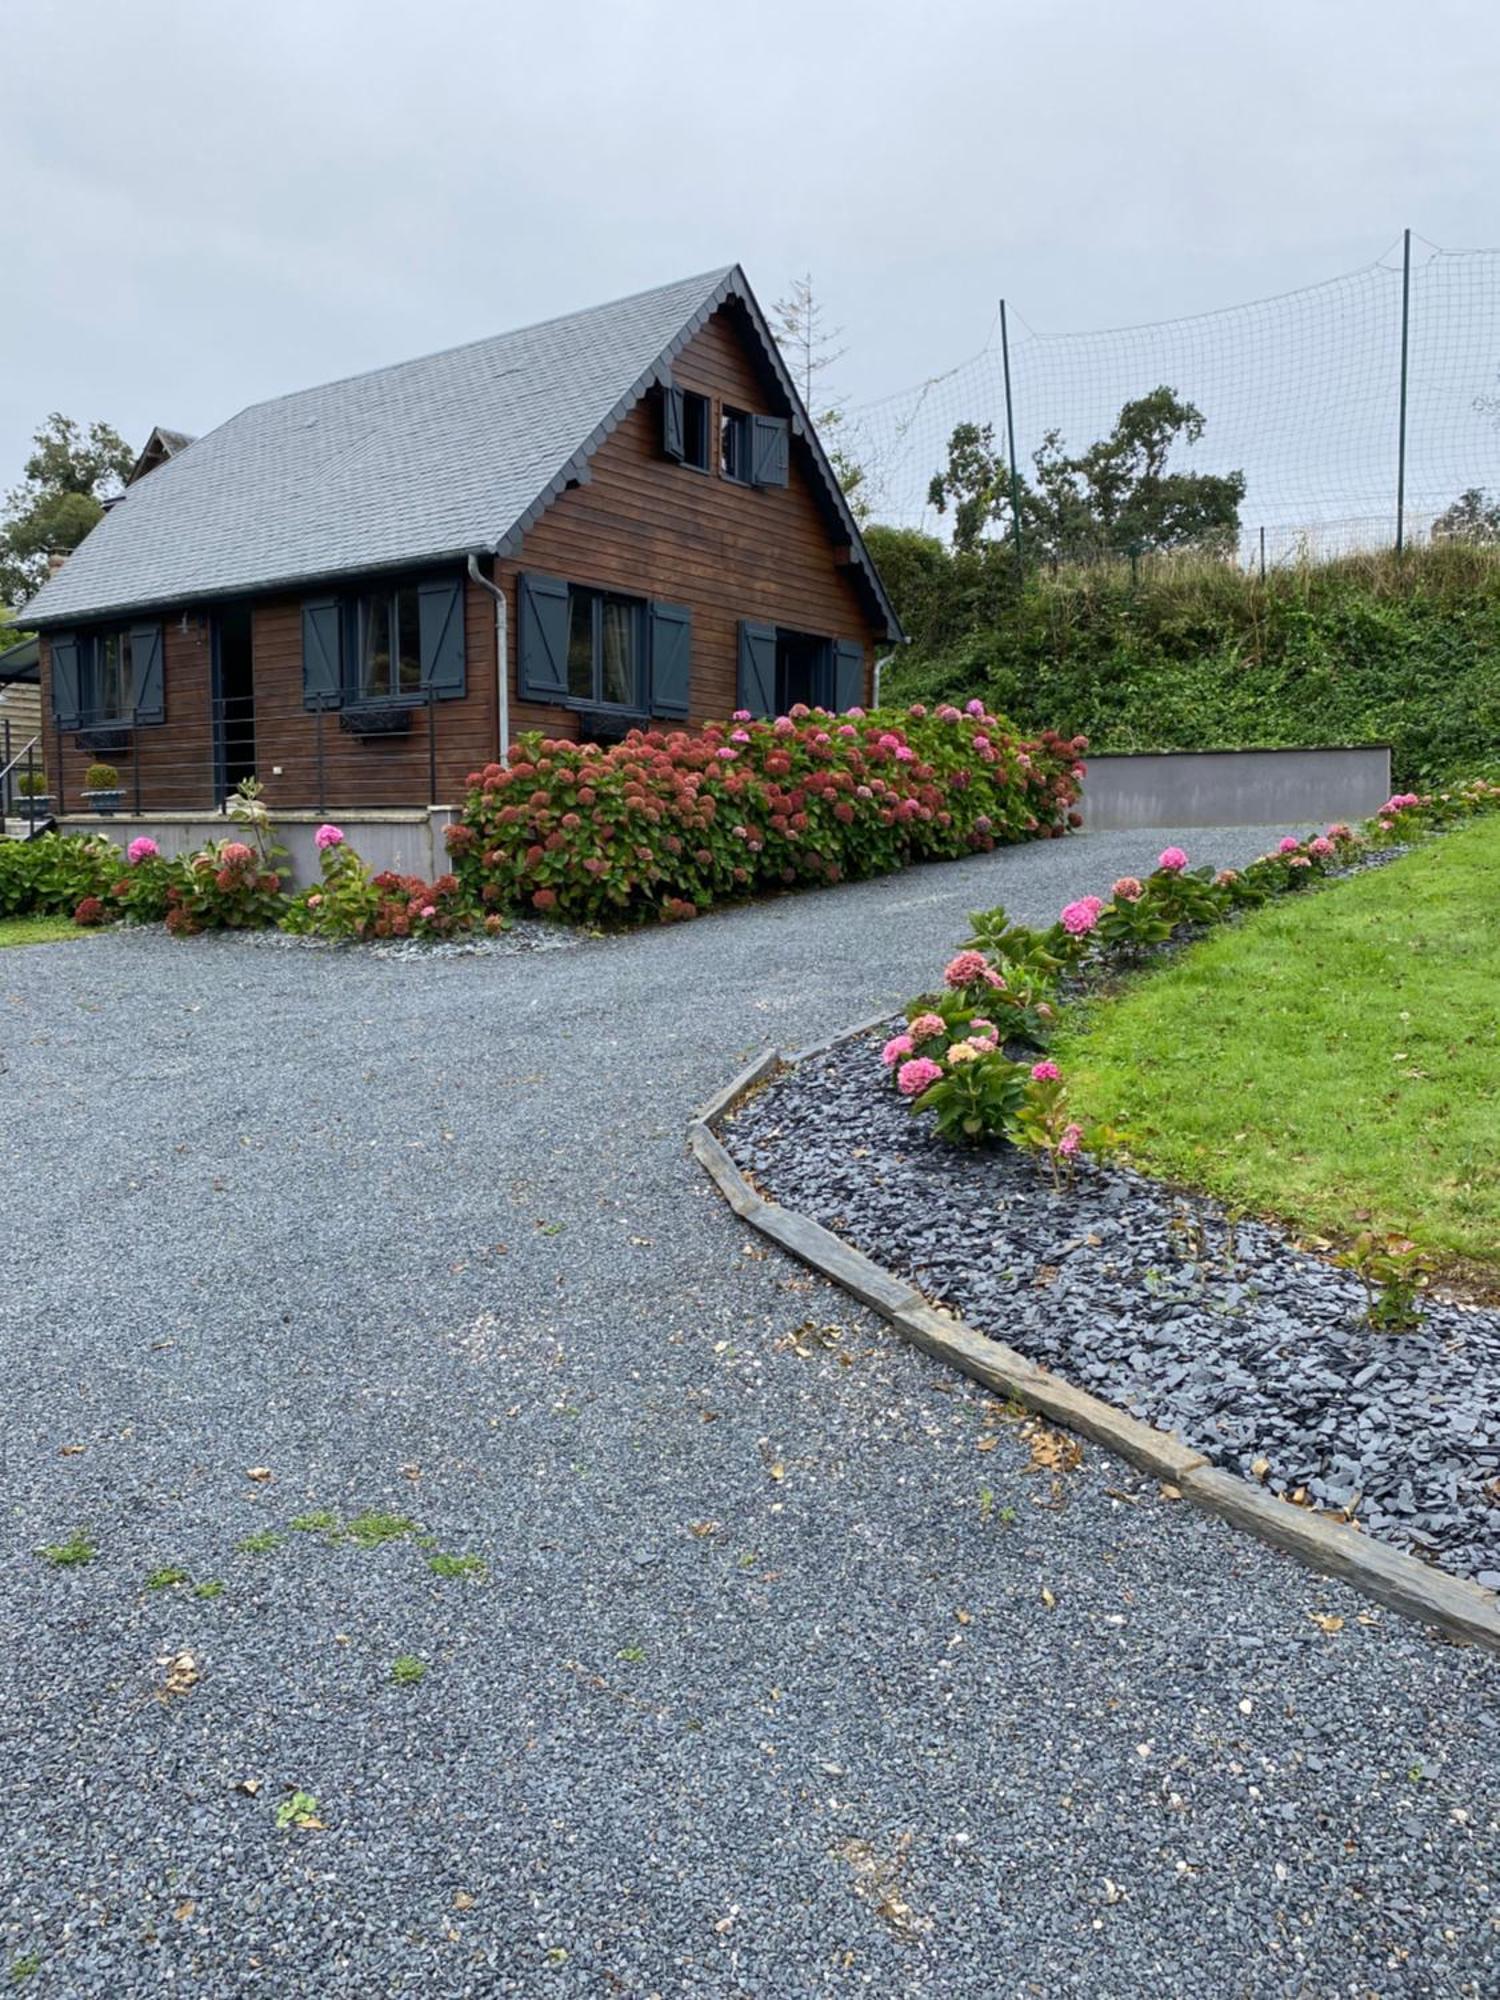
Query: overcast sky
x=203, y=204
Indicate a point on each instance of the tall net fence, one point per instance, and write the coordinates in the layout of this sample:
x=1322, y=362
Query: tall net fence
x=1301, y=393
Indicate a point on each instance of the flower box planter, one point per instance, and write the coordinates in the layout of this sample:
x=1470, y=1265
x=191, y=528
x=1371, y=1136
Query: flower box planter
x=104, y=802
x=393, y=719
x=38, y=806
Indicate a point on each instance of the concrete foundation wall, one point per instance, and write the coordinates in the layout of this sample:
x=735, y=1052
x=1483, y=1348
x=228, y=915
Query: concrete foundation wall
x=410, y=843
x=1234, y=787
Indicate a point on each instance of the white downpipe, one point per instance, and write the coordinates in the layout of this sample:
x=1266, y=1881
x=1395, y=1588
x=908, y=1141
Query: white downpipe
x=502, y=651
x=880, y=666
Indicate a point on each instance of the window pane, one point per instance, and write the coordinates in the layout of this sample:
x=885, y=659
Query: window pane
x=409, y=646
x=375, y=646
x=618, y=646
x=581, y=645
x=695, y=431
x=110, y=690
x=731, y=444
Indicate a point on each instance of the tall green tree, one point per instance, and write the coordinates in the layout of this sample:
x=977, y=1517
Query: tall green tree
x=1118, y=497
x=70, y=474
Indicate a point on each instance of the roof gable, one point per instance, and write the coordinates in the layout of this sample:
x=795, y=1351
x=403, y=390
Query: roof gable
x=429, y=460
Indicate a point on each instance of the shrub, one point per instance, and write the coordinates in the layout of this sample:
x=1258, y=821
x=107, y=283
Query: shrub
x=349, y=902
x=101, y=778
x=31, y=784
x=665, y=824
x=51, y=875
x=228, y=885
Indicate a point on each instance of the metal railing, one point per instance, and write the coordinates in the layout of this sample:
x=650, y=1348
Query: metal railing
x=316, y=755
x=27, y=804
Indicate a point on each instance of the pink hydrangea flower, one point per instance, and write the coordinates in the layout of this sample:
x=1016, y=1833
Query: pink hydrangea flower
x=313, y=902
x=236, y=853
x=974, y=707
x=1288, y=844
x=1322, y=847
x=1225, y=876
x=1128, y=889
x=725, y=754
x=904, y=753
x=1045, y=1072
x=857, y=713
x=142, y=848
x=925, y=1026
x=739, y=736
x=1298, y=861
x=896, y=1050
x=979, y=1026
x=918, y=1075
x=1094, y=903
x=917, y=710
x=1172, y=859
x=1078, y=919
x=1070, y=1141
x=784, y=726
x=986, y=1044
x=741, y=715
x=963, y=1052
x=965, y=969
x=328, y=836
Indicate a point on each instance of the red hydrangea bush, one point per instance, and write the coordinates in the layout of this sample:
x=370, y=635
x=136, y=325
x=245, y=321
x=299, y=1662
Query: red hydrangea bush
x=667, y=823
x=349, y=902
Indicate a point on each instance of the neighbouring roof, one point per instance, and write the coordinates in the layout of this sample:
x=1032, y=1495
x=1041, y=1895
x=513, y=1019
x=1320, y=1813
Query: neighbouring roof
x=452, y=455
x=158, y=448
x=21, y=662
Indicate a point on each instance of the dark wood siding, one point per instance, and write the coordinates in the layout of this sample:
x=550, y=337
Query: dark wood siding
x=639, y=524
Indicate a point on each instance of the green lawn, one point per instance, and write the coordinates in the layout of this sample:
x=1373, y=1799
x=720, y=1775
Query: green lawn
x=36, y=930
x=1333, y=1060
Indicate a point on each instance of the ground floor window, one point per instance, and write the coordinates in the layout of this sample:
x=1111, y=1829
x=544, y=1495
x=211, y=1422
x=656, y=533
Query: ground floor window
x=606, y=649
x=387, y=645
x=108, y=677
x=804, y=670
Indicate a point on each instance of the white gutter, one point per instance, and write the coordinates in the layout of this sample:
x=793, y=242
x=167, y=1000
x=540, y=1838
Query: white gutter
x=502, y=651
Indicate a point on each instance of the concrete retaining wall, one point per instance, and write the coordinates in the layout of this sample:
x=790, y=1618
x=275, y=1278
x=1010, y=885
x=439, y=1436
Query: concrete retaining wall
x=1235, y=787
x=411, y=843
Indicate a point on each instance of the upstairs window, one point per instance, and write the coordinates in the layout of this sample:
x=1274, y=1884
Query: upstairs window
x=734, y=445
x=696, y=416
x=387, y=648
x=606, y=649
x=686, y=424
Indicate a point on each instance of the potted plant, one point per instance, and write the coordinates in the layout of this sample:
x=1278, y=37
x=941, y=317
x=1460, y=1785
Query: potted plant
x=32, y=799
x=101, y=787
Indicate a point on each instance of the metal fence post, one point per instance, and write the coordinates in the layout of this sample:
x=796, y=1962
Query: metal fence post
x=61, y=799
x=318, y=712
x=135, y=758
x=1010, y=446
x=432, y=797
x=1405, y=348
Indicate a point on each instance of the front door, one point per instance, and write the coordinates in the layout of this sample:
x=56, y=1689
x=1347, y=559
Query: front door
x=234, y=698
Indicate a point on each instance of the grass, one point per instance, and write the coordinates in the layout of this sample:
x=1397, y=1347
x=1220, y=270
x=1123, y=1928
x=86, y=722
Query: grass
x=1331, y=1060
x=407, y=1670
x=76, y=1550
x=37, y=930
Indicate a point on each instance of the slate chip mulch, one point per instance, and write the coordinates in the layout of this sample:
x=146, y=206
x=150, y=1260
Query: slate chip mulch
x=1255, y=1351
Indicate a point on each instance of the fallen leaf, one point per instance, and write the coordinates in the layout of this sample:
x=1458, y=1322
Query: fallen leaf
x=962, y=1617
x=986, y=1443
x=182, y=1673
x=777, y=1471
x=260, y=1473
x=1260, y=1467
x=1170, y=1492
x=249, y=1786
x=462, y=1900
x=184, y=1911
x=1048, y=1599
x=71, y=1450
x=704, y=1528
x=1326, y=1621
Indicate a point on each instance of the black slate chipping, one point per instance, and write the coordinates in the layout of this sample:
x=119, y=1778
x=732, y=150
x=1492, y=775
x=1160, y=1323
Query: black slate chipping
x=1225, y=1332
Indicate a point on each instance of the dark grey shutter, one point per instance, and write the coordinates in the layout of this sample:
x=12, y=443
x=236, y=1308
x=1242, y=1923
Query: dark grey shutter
x=671, y=659
x=671, y=420
x=543, y=639
x=147, y=690
x=67, y=703
x=769, y=451
x=440, y=622
x=848, y=674
x=322, y=675
x=757, y=676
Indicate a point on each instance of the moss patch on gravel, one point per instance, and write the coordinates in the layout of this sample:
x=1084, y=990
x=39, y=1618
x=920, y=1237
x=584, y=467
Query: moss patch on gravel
x=1331, y=1060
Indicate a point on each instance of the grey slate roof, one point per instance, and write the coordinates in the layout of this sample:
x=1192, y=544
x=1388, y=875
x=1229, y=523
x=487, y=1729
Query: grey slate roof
x=450, y=455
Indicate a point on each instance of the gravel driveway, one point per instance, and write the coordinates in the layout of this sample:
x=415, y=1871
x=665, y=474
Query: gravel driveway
x=786, y=1671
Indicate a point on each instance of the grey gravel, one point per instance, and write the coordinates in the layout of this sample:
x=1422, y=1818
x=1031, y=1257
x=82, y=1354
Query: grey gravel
x=425, y=1239
x=1255, y=1352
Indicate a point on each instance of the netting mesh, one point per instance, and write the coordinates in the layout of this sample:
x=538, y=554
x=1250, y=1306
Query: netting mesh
x=1300, y=393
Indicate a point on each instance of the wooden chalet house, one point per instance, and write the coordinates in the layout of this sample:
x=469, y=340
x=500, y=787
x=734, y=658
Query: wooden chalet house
x=362, y=592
